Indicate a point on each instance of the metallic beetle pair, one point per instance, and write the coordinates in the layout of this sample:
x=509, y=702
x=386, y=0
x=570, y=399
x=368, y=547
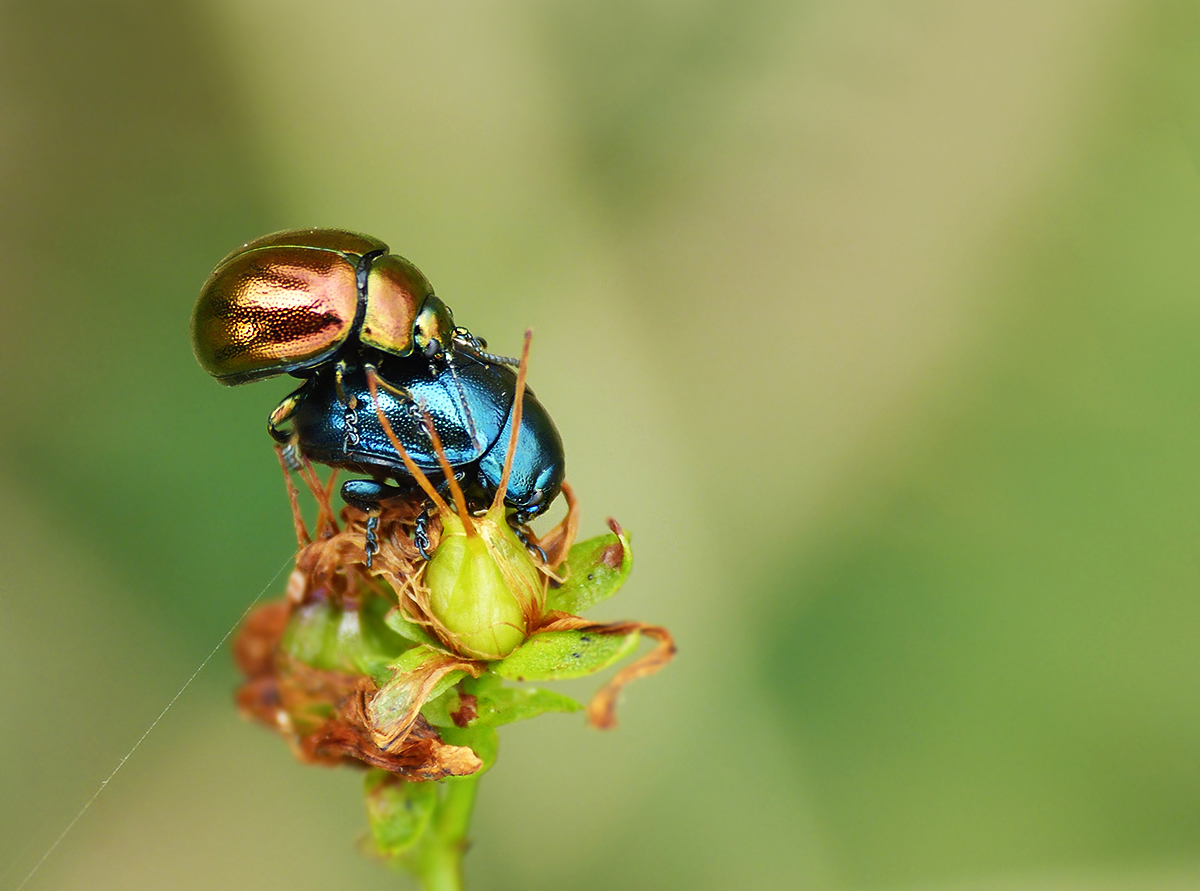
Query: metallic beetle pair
x=333, y=307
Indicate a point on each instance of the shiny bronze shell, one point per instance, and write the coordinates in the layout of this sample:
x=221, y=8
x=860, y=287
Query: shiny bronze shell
x=290, y=300
x=271, y=310
x=341, y=240
x=396, y=292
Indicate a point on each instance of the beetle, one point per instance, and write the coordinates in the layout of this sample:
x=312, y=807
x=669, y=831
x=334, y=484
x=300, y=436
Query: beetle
x=332, y=419
x=333, y=306
x=295, y=300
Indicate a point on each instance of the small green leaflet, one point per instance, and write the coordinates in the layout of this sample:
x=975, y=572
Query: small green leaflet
x=559, y=655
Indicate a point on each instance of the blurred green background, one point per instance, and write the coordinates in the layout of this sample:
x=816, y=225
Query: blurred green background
x=877, y=323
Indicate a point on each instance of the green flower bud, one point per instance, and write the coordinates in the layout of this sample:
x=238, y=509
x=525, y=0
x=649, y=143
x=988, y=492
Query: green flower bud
x=329, y=637
x=485, y=591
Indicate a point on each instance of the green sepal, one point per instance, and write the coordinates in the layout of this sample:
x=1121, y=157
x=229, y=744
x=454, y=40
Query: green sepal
x=354, y=641
x=484, y=742
x=509, y=704
x=411, y=660
x=595, y=571
x=440, y=711
x=400, y=684
x=408, y=630
x=559, y=655
x=398, y=811
x=495, y=704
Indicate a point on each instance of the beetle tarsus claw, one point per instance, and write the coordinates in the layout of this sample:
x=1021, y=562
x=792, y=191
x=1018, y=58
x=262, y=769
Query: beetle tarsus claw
x=371, y=545
x=522, y=532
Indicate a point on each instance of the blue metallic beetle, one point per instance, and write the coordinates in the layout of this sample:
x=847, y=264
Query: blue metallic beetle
x=333, y=420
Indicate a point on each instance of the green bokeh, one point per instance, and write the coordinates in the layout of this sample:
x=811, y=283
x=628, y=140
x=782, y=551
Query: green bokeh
x=876, y=324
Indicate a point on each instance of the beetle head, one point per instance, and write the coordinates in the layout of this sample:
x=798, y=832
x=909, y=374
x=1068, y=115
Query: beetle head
x=434, y=327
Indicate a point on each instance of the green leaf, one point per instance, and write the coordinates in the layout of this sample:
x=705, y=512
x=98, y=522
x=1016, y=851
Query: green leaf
x=559, y=655
x=398, y=811
x=504, y=705
x=486, y=702
x=595, y=571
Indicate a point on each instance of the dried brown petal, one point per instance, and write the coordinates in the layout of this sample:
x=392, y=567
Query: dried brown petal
x=256, y=642
x=423, y=757
x=323, y=714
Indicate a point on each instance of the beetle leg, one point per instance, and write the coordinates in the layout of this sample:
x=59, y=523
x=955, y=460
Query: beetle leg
x=421, y=525
x=421, y=533
x=289, y=454
x=523, y=534
x=366, y=494
x=339, y=378
x=302, y=536
x=351, y=435
x=399, y=392
x=282, y=414
x=557, y=542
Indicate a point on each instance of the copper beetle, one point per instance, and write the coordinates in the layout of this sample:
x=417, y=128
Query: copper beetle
x=292, y=300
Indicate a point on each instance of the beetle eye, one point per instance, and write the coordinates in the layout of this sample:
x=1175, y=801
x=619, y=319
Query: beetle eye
x=433, y=348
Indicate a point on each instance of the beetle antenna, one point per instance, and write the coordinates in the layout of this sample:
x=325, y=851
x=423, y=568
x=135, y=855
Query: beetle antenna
x=456, y=491
x=473, y=346
x=463, y=399
x=518, y=401
x=500, y=360
x=409, y=464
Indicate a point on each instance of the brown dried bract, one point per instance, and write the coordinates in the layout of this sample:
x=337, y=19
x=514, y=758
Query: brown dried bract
x=254, y=647
x=323, y=714
x=423, y=755
x=334, y=566
x=467, y=711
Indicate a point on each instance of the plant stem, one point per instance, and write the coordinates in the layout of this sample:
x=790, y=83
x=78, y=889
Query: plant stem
x=438, y=863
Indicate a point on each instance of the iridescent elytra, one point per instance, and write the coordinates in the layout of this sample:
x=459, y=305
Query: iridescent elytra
x=292, y=300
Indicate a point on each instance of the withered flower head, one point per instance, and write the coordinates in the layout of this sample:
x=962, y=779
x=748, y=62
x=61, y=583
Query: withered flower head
x=379, y=659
